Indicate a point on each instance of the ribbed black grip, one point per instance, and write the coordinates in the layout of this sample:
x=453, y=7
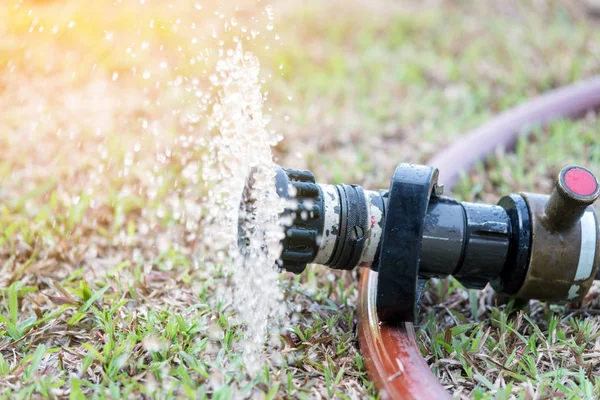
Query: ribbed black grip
x=301, y=242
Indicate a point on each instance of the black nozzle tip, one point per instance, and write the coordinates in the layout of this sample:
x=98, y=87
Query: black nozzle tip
x=300, y=244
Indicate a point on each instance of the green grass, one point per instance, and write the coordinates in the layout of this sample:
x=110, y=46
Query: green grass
x=102, y=295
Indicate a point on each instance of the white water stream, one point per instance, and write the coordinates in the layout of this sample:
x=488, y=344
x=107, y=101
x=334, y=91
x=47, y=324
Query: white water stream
x=240, y=143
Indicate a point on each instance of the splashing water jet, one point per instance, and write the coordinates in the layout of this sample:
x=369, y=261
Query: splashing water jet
x=242, y=143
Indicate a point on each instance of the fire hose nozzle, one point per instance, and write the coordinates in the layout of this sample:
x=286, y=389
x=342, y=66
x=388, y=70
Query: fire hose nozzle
x=528, y=246
x=334, y=225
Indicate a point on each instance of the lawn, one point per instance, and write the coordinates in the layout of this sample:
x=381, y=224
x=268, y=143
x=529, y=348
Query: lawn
x=107, y=290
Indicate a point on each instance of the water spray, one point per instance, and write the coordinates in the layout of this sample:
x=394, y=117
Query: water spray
x=528, y=246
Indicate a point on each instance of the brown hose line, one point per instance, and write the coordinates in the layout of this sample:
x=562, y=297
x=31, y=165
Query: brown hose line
x=502, y=131
x=392, y=356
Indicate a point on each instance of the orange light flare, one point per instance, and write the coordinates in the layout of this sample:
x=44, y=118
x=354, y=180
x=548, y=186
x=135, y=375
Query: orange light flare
x=92, y=88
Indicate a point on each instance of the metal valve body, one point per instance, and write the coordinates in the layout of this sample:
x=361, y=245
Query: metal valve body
x=529, y=246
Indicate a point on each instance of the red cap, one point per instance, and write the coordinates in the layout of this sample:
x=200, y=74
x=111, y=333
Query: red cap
x=581, y=182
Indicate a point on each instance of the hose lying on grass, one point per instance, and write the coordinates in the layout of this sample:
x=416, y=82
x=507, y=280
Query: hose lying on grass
x=391, y=354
